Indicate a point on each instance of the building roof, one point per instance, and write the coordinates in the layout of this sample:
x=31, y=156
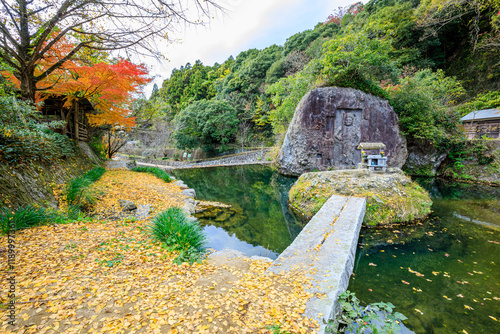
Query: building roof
x=483, y=115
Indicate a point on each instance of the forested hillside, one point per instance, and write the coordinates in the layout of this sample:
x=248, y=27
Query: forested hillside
x=434, y=60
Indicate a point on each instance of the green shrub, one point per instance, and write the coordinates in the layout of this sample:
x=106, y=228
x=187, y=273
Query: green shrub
x=78, y=195
x=98, y=146
x=177, y=231
x=375, y=318
x=19, y=145
x=424, y=103
x=158, y=172
x=24, y=217
x=482, y=101
x=24, y=138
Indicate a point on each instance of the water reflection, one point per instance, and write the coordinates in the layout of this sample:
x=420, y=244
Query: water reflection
x=442, y=273
x=259, y=217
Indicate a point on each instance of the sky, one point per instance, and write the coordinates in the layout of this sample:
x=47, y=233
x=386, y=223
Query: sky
x=245, y=24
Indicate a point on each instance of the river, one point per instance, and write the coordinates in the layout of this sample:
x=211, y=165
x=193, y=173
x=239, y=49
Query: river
x=443, y=273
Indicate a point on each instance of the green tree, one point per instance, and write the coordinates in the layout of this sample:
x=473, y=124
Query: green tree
x=207, y=124
x=354, y=60
x=287, y=93
x=424, y=102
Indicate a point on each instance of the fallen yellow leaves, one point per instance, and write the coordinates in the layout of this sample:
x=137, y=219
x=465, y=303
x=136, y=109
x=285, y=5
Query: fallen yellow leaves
x=140, y=188
x=109, y=277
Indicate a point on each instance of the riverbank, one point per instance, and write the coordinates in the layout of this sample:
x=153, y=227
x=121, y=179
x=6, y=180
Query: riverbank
x=97, y=275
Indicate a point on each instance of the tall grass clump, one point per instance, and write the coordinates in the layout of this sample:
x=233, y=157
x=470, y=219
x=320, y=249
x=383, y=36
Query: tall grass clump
x=24, y=217
x=77, y=192
x=158, y=172
x=177, y=231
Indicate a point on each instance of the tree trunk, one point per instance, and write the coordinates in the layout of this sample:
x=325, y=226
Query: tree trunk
x=27, y=69
x=67, y=119
x=28, y=84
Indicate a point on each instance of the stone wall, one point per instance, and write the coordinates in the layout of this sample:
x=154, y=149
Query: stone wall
x=253, y=157
x=328, y=125
x=31, y=184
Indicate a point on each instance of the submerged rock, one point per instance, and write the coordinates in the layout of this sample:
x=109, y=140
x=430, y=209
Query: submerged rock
x=329, y=124
x=216, y=211
x=390, y=197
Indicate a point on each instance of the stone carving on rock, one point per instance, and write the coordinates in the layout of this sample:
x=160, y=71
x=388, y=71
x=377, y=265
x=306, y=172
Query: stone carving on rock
x=328, y=125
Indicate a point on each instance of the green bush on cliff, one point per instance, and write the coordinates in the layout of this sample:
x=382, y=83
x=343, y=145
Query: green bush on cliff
x=77, y=191
x=422, y=102
x=25, y=217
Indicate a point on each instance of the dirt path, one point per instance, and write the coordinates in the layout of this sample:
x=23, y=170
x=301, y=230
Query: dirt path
x=109, y=277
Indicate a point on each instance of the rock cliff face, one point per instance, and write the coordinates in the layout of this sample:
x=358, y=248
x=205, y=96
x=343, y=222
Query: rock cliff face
x=423, y=159
x=328, y=125
x=32, y=184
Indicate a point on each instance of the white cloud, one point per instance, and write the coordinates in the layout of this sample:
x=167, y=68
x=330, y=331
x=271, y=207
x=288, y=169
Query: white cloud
x=246, y=24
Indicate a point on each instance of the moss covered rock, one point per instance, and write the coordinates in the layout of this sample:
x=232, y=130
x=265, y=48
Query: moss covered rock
x=391, y=197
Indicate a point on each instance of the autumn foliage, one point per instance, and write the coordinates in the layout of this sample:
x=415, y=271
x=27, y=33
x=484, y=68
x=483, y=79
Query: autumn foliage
x=108, y=86
x=338, y=15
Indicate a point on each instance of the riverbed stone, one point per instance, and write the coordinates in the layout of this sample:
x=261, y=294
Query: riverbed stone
x=143, y=211
x=261, y=258
x=189, y=192
x=229, y=257
x=127, y=205
x=181, y=184
x=329, y=124
x=189, y=206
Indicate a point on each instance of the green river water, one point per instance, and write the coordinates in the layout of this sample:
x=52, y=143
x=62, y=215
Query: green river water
x=443, y=273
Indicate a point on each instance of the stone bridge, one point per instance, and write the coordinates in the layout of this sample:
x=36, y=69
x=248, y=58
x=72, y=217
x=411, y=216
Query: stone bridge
x=325, y=251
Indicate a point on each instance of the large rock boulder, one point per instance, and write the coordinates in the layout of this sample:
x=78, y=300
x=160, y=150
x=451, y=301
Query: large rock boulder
x=328, y=125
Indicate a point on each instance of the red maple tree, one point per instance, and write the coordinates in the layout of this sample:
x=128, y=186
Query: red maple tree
x=108, y=87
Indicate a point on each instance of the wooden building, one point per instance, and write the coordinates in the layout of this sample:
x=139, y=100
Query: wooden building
x=77, y=125
x=482, y=123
